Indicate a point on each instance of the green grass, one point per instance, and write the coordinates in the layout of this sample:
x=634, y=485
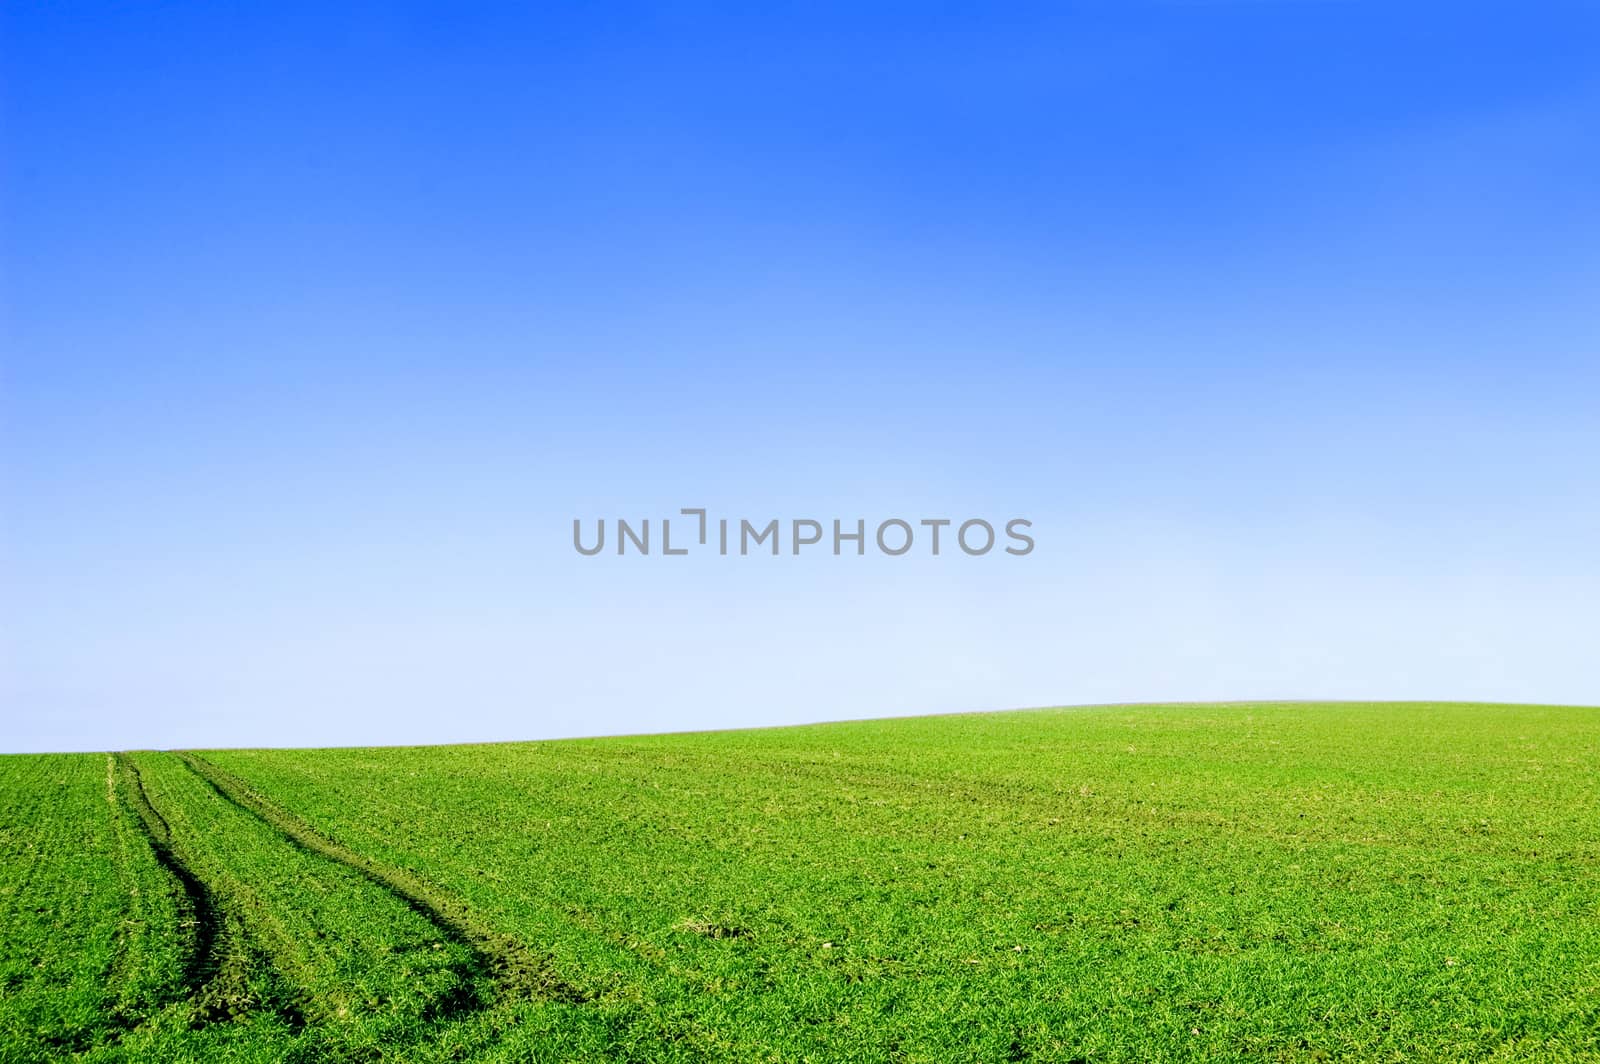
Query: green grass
x=1208, y=882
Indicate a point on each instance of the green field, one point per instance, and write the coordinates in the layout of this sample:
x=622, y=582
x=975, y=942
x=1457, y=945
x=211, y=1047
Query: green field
x=1204, y=882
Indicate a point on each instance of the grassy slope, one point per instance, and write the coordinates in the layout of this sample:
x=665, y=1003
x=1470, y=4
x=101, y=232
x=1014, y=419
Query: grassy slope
x=59, y=911
x=1355, y=881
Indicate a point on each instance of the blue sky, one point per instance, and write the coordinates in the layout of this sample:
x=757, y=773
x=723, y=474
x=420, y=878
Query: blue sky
x=318, y=328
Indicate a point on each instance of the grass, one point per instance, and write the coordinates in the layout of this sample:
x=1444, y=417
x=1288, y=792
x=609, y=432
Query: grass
x=1207, y=882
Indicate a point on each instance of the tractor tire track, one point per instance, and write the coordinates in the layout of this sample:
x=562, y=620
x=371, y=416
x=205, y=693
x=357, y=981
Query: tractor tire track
x=198, y=905
x=219, y=960
x=131, y=1002
x=500, y=967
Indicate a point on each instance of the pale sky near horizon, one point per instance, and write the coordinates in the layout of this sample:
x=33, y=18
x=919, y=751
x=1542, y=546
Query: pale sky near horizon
x=319, y=327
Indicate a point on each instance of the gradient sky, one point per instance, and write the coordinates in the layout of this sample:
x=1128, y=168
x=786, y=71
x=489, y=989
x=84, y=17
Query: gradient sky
x=321, y=323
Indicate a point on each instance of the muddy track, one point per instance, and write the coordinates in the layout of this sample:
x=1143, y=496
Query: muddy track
x=501, y=966
x=218, y=961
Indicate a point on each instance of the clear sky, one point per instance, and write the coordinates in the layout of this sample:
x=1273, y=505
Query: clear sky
x=319, y=324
